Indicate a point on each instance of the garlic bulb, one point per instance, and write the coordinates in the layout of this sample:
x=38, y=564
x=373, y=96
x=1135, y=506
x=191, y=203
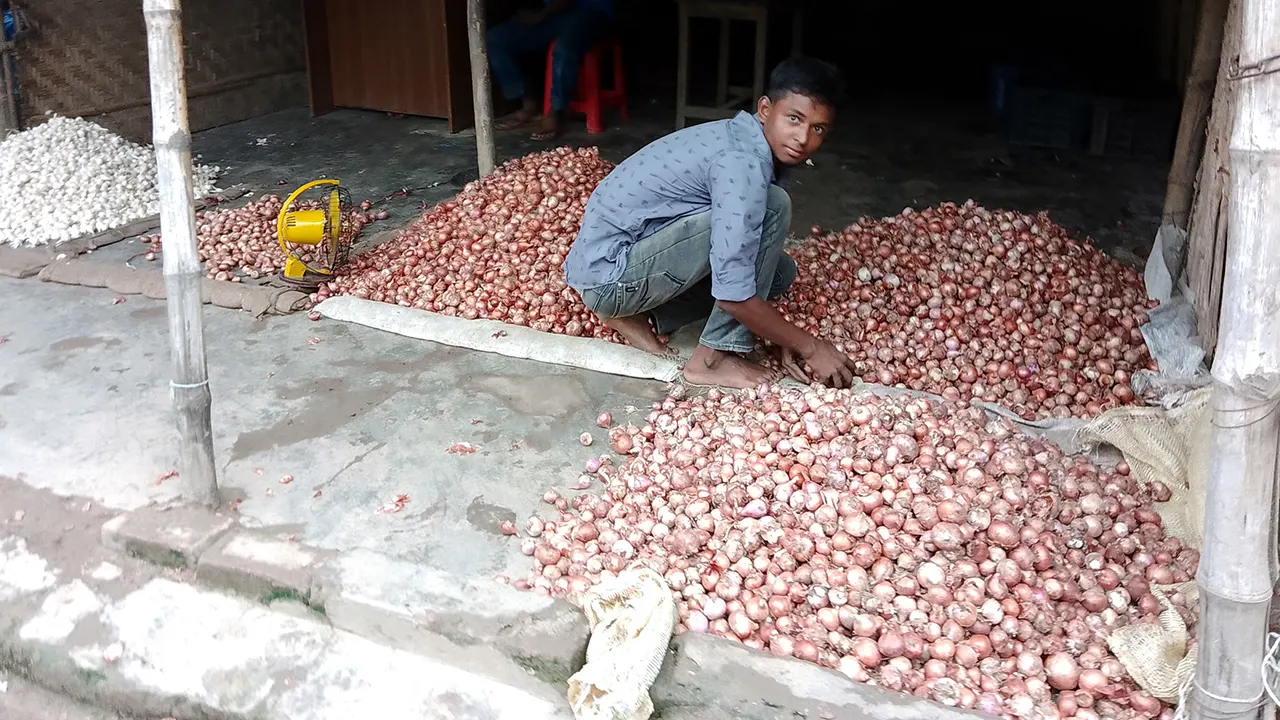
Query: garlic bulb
x=71, y=177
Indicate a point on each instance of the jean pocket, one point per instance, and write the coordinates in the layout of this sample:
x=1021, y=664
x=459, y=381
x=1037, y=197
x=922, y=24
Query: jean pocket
x=649, y=292
x=602, y=300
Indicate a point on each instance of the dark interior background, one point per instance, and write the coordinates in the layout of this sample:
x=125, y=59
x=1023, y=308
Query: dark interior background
x=912, y=48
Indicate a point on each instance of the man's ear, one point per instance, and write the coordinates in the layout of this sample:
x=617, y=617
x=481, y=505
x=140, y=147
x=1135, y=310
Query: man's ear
x=764, y=107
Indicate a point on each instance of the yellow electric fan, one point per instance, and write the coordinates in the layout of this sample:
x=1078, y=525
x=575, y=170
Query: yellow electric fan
x=315, y=235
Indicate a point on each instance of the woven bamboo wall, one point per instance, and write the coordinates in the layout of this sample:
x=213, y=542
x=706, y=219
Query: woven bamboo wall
x=89, y=58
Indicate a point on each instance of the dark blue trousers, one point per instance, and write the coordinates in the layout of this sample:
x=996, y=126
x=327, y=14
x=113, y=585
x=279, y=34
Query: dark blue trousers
x=574, y=32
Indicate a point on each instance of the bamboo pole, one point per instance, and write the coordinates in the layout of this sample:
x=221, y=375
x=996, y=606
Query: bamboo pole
x=1196, y=102
x=481, y=95
x=1236, y=574
x=9, y=120
x=171, y=134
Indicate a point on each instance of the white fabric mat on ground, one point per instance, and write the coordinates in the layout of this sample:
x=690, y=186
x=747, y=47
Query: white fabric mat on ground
x=498, y=337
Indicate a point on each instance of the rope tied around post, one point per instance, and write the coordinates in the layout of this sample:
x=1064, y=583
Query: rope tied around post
x=1265, y=390
x=1188, y=700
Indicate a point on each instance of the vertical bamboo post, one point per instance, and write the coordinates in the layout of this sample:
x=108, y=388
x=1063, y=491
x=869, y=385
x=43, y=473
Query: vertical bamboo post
x=482, y=96
x=9, y=120
x=9, y=116
x=1197, y=98
x=171, y=134
x=1236, y=576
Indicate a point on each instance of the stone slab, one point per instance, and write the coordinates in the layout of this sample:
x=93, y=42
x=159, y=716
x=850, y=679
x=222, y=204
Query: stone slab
x=174, y=650
x=22, y=262
x=258, y=565
x=172, y=537
x=703, y=671
x=23, y=700
x=691, y=713
x=403, y=603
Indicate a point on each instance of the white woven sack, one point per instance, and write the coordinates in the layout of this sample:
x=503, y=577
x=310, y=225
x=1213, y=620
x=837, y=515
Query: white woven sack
x=1156, y=656
x=1170, y=446
x=632, y=618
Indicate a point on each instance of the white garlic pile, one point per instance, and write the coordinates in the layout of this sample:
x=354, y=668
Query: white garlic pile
x=71, y=177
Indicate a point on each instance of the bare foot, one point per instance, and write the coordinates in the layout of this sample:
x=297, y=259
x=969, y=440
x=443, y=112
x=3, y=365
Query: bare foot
x=518, y=119
x=639, y=332
x=715, y=367
x=548, y=128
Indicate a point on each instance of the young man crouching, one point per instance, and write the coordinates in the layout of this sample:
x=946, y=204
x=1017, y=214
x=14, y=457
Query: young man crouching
x=692, y=227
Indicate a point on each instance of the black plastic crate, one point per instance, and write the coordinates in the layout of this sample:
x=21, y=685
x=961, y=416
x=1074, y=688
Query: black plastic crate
x=1134, y=128
x=1049, y=118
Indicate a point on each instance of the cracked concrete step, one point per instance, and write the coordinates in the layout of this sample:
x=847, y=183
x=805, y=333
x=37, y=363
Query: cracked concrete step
x=408, y=606
x=171, y=649
x=491, y=630
x=22, y=700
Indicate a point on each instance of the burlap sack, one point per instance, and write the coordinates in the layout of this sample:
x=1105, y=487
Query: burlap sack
x=1169, y=446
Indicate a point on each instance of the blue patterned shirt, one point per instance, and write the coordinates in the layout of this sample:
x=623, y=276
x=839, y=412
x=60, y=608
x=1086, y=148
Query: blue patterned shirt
x=724, y=166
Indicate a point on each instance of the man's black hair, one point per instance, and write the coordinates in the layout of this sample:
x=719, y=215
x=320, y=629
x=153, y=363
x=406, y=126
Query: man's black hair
x=813, y=78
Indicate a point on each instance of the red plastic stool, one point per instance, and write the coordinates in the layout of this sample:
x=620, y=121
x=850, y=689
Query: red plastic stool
x=590, y=98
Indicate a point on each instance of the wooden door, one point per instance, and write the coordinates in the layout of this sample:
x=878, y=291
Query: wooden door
x=389, y=55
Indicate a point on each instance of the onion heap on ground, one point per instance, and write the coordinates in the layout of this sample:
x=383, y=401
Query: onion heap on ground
x=242, y=241
x=496, y=251
x=903, y=541
x=69, y=177
x=970, y=303
x=956, y=300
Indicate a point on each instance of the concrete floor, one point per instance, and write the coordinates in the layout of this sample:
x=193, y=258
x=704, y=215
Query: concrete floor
x=358, y=417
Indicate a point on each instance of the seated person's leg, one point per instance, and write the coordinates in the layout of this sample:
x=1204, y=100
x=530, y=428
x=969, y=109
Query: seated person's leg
x=580, y=29
x=506, y=43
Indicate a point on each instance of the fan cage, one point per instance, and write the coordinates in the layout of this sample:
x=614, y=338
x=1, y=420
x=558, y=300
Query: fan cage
x=321, y=258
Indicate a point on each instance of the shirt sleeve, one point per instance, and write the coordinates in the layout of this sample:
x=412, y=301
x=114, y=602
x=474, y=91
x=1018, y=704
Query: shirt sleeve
x=739, y=194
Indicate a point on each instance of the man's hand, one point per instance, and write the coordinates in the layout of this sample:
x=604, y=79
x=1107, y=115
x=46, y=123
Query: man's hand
x=794, y=366
x=830, y=366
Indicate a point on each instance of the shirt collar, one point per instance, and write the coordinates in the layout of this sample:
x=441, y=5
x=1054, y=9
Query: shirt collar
x=747, y=132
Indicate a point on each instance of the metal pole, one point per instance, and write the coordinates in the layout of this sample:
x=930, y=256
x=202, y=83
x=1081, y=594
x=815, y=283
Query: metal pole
x=171, y=135
x=1237, y=572
x=481, y=95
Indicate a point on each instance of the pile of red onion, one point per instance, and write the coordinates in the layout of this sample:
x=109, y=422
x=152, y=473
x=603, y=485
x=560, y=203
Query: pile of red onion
x=971, y=303
x=957, y=300
x=907, y=542
x=242, y=242
x=496, y=251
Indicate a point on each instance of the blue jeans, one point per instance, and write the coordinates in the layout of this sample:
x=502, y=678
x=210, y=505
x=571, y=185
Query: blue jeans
x=574, y=31
x=668, y=275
